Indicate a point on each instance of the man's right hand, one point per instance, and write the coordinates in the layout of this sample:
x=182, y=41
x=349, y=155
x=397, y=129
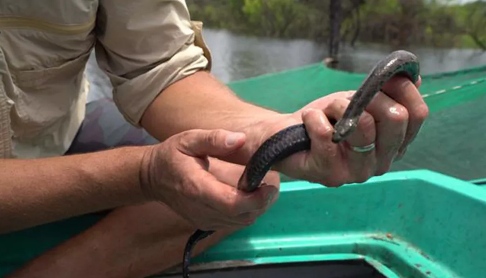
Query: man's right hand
x=175, y=173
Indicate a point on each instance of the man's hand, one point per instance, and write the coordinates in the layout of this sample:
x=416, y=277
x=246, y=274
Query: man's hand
x=390, y=121
x=178, y=173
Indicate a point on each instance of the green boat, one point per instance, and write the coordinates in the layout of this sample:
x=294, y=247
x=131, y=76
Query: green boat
x=426, y=218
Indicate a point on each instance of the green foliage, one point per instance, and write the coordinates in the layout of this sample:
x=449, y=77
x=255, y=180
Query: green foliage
x=438, y=23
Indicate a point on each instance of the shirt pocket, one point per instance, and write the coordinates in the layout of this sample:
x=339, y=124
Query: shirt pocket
x=44, y=98
x=60, y=75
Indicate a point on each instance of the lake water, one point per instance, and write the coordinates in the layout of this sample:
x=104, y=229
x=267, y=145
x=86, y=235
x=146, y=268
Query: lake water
x=238, y=57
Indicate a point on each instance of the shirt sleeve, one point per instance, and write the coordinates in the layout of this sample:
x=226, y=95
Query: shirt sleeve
x=144, y=46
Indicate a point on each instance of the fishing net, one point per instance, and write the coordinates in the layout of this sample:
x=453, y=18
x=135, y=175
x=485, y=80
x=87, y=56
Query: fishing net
x=450, y=142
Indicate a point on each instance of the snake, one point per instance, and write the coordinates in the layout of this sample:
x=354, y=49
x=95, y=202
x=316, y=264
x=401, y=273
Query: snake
x=295, y=138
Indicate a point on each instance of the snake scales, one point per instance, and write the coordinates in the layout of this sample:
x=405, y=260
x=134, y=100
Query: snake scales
x=294, y=138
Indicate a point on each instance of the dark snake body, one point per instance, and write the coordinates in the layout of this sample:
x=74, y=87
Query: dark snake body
x=295, y=139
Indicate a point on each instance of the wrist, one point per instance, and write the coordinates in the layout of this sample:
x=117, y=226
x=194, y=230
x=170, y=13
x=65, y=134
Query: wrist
x=144, y=174
x=118, y=171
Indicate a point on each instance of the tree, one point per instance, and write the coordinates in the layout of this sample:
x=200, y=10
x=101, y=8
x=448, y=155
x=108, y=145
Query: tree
x=475, y=23
x=335, y=20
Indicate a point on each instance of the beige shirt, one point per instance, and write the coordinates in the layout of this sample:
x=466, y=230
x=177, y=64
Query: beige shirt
x=142, y=45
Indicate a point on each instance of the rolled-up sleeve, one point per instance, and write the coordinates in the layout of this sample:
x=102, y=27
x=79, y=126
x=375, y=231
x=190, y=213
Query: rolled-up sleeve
x=144, y=46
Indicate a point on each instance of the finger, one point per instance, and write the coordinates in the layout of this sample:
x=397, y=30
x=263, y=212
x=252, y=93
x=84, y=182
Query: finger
x=273, y=178
x=361, y=164
x=326, y=100
x=391, y=123
x=217, y=223
x=225, y=172
x=319, y=162
x=230, y=173
x=214, y=143
x=250, y=218
x=209, y=218
x=229, y=201
x=406, y=93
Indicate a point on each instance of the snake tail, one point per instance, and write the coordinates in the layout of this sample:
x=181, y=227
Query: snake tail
x=195, y=237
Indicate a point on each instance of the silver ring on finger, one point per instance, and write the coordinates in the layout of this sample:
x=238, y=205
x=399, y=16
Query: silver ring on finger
x=363, y=149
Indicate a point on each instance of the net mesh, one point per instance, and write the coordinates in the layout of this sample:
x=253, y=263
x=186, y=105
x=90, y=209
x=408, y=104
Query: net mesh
x=450, y=142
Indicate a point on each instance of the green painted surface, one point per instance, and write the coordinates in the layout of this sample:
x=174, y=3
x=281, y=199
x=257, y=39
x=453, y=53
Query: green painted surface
x=408, y=224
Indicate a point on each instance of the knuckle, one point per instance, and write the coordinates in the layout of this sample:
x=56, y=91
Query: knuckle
x=421, y=112
x=318, y=125
x=366, y=122
x=367, y=128
x=349, y=94
x=399, y=81
x=341, y=103
x=325, y=132
x=186, y=138
x=183, y=141
x=337, y=106
x=213, y=136
x=191, y=183
x=398, y=114
x=187, y=134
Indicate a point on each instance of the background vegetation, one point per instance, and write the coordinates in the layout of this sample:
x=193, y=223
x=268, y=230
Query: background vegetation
x=394, y=22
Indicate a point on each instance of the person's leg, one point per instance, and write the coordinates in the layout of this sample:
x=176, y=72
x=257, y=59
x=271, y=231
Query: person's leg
x=130, y=242
x=134, y=241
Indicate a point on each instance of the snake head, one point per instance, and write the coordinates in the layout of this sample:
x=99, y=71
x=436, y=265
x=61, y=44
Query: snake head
x=343, y=129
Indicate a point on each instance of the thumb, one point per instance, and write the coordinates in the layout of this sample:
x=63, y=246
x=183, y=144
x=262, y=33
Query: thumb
x=214, y=143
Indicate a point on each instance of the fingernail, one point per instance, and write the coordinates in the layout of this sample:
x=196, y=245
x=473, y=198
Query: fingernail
x=233, y=138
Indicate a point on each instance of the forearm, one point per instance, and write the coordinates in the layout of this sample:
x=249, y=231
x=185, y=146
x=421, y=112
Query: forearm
x=202, y=102
x=38, y=191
